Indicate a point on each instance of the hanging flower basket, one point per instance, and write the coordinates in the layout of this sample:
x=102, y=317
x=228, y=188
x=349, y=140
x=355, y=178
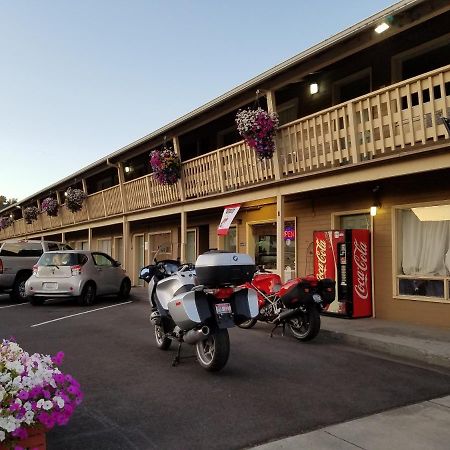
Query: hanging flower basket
x=50, y=206
x=34, y=395
x=30, y=213
x=75, y=199
x=258, y=128
x=166, y=166
x=5, y=222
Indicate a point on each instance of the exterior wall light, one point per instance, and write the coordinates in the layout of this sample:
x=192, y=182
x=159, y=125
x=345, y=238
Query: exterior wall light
x=127, y=169
x=65, y=194
x=313, y=88
x=376, y=201
x=381, y=28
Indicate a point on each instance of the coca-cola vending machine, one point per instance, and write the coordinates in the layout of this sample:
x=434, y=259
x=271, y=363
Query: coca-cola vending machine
x=344, y=256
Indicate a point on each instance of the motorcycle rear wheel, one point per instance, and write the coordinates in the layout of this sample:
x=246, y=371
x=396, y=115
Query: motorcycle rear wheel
x=248, y=324
x=162, y=342
x=213, y=352
x=306, y=325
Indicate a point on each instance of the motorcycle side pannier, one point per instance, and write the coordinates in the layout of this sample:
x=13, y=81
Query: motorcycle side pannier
x=327, y=290
x=217, y=269
x=300, y=293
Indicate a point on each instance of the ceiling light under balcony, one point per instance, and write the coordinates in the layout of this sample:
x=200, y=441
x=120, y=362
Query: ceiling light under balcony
x=383, y=26
x=313, y=88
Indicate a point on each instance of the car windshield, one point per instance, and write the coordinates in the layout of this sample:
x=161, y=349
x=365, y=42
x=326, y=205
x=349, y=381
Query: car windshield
x=62, y=259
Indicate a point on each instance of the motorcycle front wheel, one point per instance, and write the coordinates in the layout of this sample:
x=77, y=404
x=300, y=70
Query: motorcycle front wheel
x=306, y=325
x=162, y=342
x=248, y=324
x=212, y=353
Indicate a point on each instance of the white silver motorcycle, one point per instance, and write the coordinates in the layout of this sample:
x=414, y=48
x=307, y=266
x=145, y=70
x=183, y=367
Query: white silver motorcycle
x=197, y=304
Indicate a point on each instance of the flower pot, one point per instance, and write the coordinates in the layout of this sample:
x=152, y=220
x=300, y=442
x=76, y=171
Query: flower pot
x=36, y=440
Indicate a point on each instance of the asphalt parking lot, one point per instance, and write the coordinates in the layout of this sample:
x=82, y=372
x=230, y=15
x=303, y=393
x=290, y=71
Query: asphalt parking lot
x=270, y=388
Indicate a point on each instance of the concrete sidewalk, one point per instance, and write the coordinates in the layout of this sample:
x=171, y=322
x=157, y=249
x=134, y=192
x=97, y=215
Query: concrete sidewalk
x=422, y=426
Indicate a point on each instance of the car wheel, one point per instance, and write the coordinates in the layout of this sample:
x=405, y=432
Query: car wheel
x=87, y=296
x=18, y=291
x=125, y=289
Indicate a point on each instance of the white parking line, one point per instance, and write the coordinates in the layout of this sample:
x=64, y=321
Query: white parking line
x=79, y=314
x=11, y=306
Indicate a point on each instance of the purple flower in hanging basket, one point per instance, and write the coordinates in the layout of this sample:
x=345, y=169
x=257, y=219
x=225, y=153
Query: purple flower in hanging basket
x=75, y=199
x=5, y=222
x=166, y=166
x=258, y=128
x=50, y=206
x=30, y=213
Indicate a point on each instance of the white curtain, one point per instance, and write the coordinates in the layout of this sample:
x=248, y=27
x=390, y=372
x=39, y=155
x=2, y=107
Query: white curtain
x=425, y=246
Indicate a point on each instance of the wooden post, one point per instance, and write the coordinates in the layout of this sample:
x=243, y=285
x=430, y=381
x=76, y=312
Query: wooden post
x=90, y=238
x=183, y=236
x=271, y=107
x=126, y=243
x=121, y=182
x=181, y=190
x=83, y=182
x=280, y=235
x=60, y=203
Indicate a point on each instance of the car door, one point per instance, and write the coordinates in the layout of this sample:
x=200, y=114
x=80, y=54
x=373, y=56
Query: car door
x=108, y=280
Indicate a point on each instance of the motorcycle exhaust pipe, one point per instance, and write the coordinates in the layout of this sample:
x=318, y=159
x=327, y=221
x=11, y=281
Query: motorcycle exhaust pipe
x=194, y=336
x=285, y=315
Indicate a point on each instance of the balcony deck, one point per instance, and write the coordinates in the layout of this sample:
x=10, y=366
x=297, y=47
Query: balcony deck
x=383, y=123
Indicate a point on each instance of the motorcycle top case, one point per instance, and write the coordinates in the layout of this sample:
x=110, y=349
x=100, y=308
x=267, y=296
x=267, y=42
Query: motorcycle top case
x=217, y=268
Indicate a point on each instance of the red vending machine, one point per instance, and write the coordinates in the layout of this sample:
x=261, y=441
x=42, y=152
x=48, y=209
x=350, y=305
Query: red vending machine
x=345, y=255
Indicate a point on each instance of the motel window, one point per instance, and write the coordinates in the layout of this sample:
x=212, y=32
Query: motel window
x=423, y=252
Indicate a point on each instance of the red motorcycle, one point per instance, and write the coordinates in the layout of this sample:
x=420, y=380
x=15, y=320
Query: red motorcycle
x=297, y=303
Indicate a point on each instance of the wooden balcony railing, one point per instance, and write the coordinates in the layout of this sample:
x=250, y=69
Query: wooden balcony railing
x=378, y=124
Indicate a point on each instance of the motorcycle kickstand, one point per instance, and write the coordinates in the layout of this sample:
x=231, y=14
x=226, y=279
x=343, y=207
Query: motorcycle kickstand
x=177, y=358
x=273, y=329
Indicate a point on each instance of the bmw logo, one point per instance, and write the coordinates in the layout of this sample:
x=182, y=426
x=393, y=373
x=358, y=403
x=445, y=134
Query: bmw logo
x=235, y=258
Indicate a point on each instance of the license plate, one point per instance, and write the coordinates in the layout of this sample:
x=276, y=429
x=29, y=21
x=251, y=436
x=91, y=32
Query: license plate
x=50, y=285
x=223, y=308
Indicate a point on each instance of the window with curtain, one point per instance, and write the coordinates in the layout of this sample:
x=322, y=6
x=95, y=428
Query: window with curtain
x=423, y=241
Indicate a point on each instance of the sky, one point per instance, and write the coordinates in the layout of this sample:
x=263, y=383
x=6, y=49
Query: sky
x=82, y=79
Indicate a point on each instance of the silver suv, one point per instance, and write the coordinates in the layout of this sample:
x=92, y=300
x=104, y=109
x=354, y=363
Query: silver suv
x=17, y=258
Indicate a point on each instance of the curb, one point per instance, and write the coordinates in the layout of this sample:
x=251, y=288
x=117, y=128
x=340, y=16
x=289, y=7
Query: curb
x=388, y=347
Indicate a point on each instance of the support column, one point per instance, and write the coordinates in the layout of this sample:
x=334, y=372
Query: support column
x=63, y=237
x=120, y=172
x=90, y=238
x=60, y=203
x=183, y=236
x=176, y=147
x=271, y=107
x=126, y=244
x=280, y=235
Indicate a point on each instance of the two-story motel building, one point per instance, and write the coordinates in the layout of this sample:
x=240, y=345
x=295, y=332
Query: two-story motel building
x=372, y=133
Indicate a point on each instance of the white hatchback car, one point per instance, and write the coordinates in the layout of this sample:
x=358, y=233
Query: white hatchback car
x=76, y=273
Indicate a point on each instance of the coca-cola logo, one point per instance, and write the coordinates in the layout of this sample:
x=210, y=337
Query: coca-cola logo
x=360, y=257
x=321, y=256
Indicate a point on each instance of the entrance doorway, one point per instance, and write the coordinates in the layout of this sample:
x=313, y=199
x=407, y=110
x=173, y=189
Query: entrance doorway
x=262, y=244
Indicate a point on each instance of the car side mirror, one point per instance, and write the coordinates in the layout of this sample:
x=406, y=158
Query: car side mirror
x=118, y=263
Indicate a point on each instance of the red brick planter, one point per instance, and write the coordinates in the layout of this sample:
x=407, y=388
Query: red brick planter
x=36, y=440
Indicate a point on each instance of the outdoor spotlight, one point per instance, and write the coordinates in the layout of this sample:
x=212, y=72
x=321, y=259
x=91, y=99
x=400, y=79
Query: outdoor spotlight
x=313, y=88
x=381, y=28
x=373, y=211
